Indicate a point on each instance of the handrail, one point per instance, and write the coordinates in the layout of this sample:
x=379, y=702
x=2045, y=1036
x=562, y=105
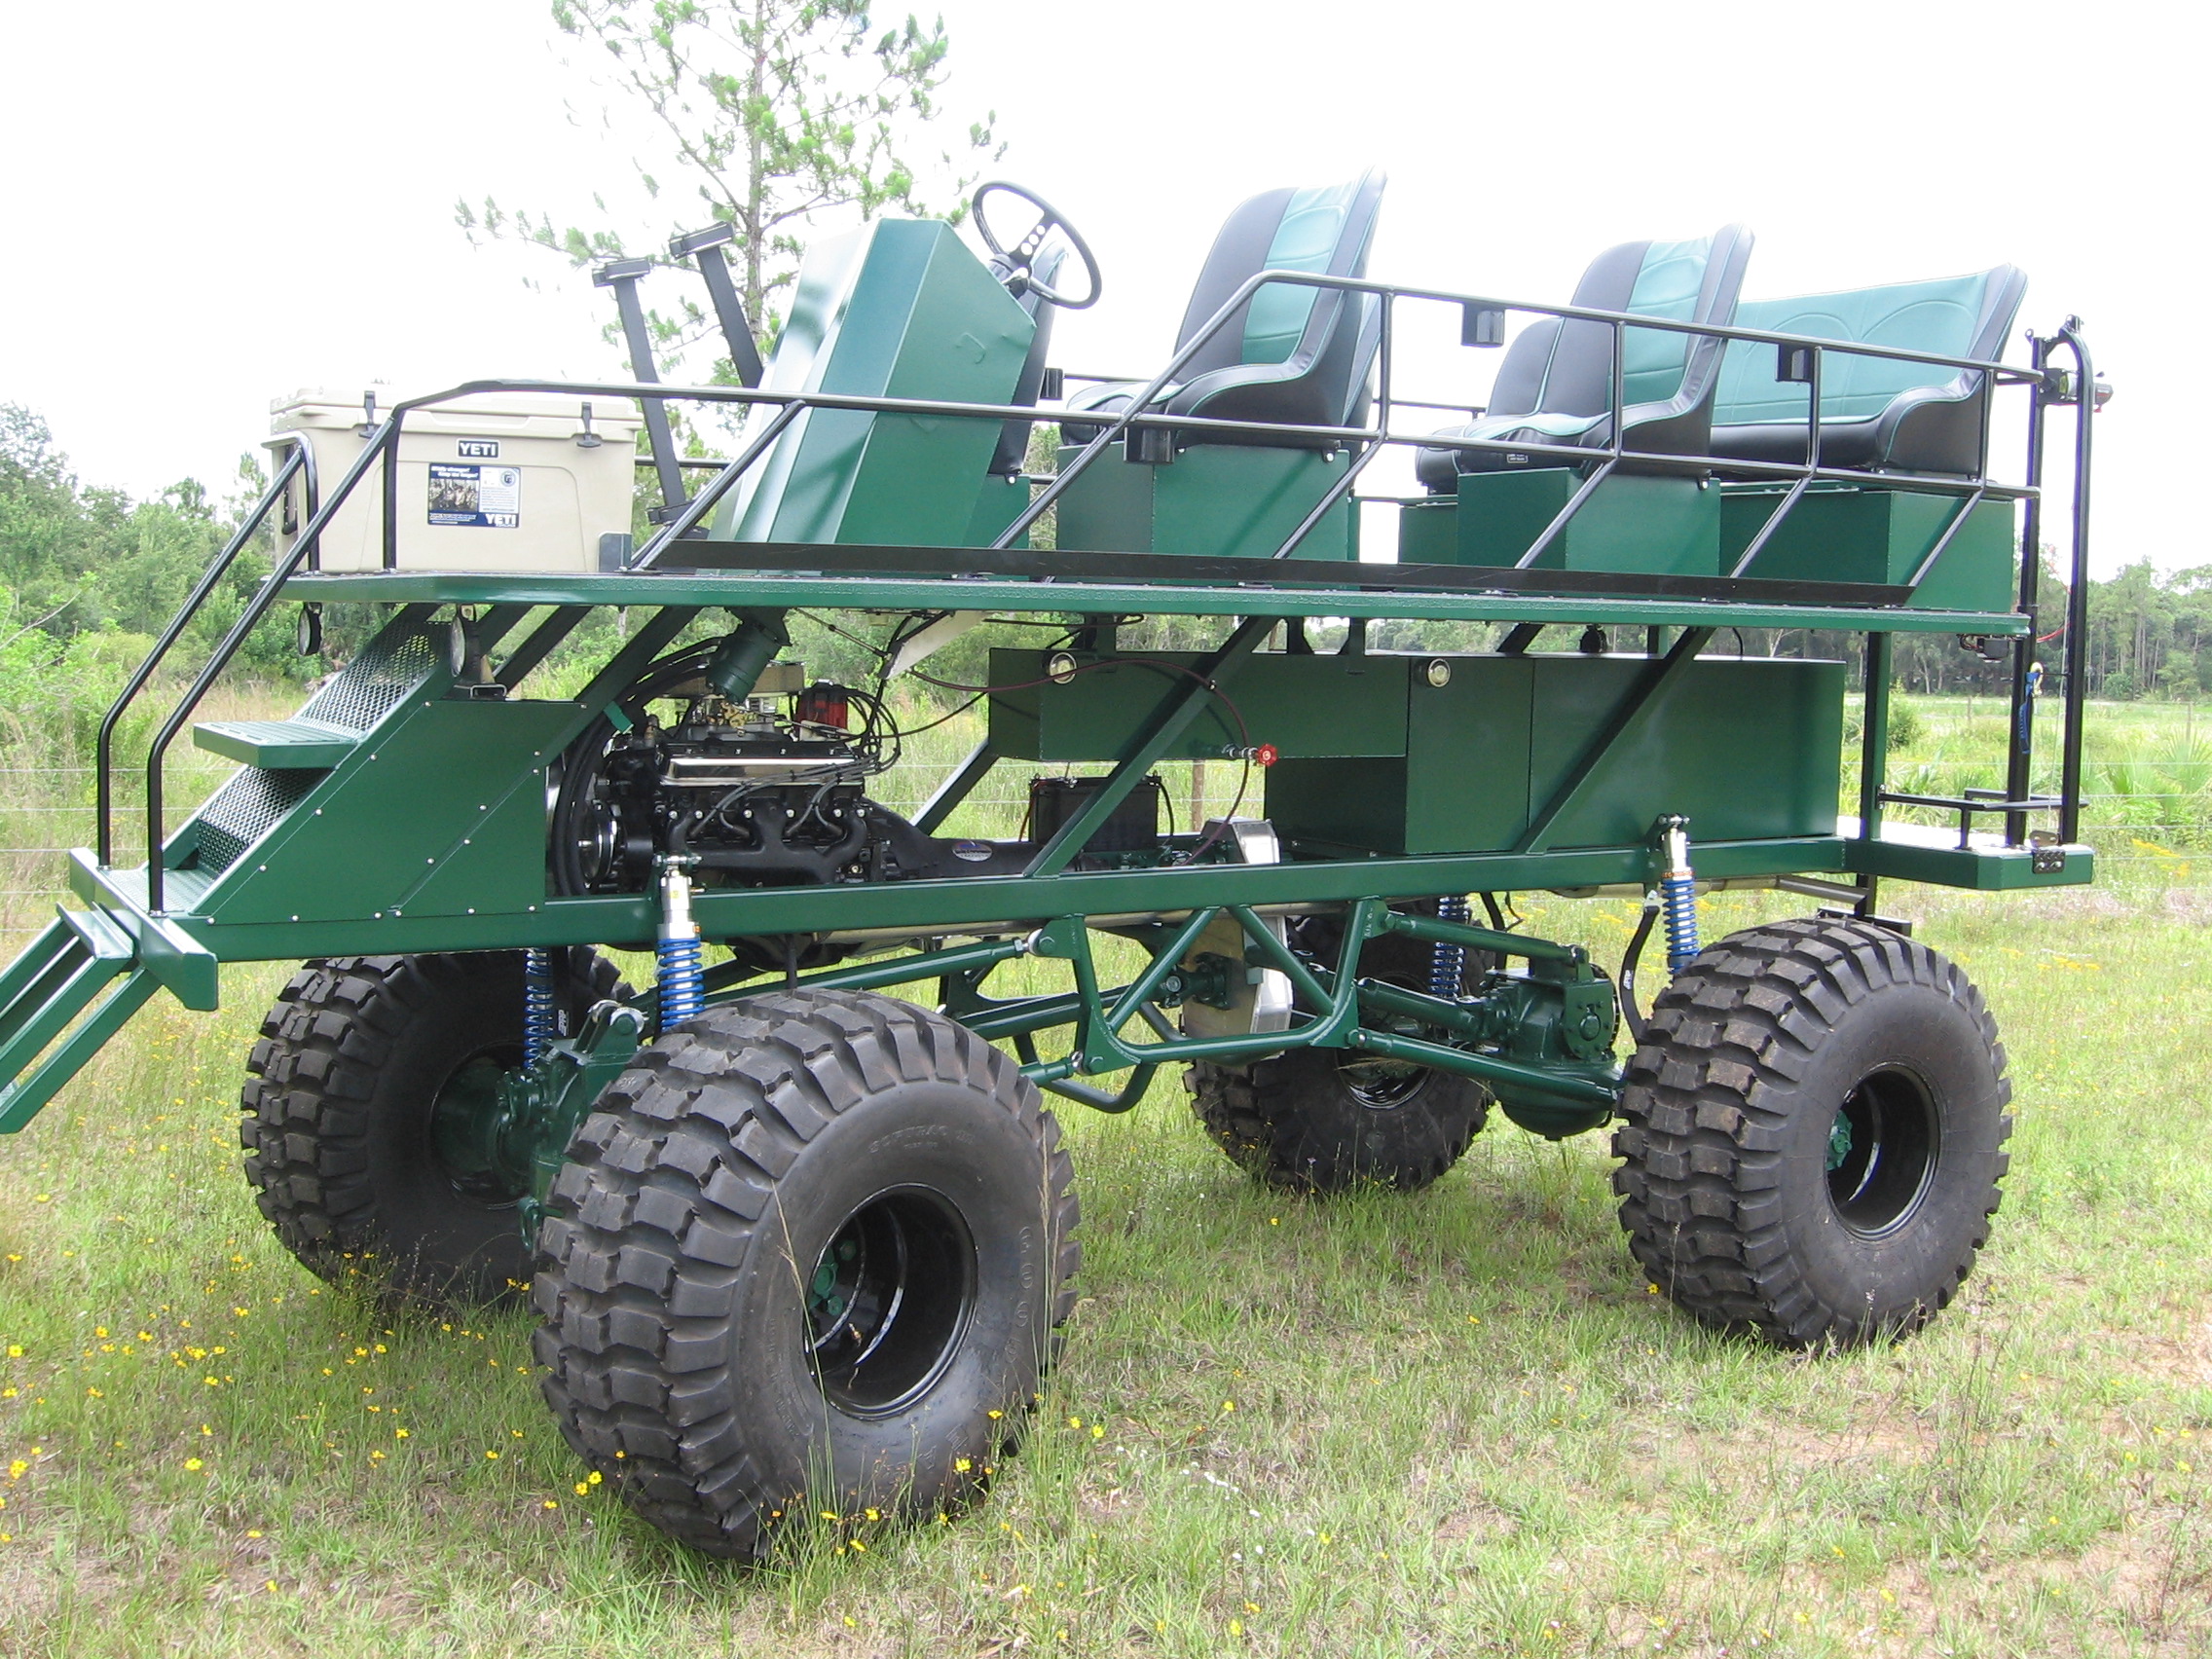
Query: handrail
x=256, y=608
x=301, y=461
x=2078, y=595
x=1136, y=412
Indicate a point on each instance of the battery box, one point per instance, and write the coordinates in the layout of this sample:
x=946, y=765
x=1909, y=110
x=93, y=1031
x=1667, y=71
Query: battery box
x=1392, y=753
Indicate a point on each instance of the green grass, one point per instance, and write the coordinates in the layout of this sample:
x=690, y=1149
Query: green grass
x=1456, y=1423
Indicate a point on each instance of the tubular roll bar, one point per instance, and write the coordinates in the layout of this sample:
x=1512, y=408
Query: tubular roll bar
x=383, y=446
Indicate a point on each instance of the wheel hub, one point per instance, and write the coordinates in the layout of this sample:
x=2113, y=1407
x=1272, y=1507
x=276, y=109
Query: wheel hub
x=1882, y=1152
x=888, y=1302
x=469, y=1123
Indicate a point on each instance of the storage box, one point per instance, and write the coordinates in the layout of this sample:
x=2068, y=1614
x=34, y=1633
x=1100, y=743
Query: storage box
x=1425, y=753
x=1660, y=525
x=1227, y=501
x=1845, y=533
x=1747, y=748
x=500, y=481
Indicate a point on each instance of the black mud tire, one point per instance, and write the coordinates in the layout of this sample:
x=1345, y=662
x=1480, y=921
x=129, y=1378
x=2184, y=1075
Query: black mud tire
x=337, y=1100
x=693, y=1354
x=1326, y=1120
x=1316, y=1121
x=1814, y=1134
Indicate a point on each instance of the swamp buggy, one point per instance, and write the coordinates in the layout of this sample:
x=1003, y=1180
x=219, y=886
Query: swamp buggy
x=789, y=1236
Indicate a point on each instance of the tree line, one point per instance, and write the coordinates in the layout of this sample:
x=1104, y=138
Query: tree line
x=88, y=576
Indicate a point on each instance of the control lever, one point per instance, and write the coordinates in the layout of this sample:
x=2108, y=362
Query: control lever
x=705, y=248
x=622, y=275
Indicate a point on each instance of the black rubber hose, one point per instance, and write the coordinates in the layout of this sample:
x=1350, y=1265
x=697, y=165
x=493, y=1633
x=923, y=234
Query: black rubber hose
x=1626, y=983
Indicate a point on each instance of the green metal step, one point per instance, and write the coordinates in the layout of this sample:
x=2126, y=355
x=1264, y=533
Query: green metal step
x=284, y=746
x=79, y=955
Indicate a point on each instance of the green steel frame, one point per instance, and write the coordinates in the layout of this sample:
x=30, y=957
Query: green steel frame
x=376, y=850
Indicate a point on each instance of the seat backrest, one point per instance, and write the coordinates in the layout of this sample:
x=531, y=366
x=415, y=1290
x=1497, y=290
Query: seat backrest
x=1564, y=366
x=1289, y=355
x=1955, y=317
x=896, y=309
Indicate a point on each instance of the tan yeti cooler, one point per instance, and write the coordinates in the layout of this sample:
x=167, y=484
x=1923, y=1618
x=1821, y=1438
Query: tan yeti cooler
x=498, y=481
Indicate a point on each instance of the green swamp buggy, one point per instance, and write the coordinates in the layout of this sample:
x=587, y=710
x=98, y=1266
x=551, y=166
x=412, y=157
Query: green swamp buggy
x=787, y=1234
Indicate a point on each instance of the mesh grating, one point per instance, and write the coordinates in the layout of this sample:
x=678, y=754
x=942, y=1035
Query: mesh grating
x=371, y=687
x=375, y=681
x=246, y=809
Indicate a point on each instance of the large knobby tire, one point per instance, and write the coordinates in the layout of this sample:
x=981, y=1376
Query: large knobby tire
x=810, y=1252
x=1325, y=1120
x=1814, y=1136
x=340, y=1104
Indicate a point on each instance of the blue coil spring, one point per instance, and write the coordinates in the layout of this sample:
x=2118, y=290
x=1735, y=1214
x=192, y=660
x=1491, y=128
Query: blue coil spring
x=1448, y=963
x=538, y=1025
x=1677, y=894
x=683, y=981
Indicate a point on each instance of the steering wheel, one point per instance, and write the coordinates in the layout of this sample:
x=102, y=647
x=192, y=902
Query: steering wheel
x=1019, y=259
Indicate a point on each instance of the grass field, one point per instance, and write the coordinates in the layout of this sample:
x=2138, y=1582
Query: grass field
x=1456, y=1422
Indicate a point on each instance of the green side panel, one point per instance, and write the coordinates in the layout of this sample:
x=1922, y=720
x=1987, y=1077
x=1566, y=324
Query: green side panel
x=1981, y=867
x=1462, y=783
x=441, y=813
x=1428, y=532
x=1662, y=526
x=1214, y=500
x=1468, y=752
x=1748, y=749
x=1939, y=316
x=294, y=745
x=1305, y=706
x=897, y=309
x=1980, y=567
x=1849, y=534
x=997, y=504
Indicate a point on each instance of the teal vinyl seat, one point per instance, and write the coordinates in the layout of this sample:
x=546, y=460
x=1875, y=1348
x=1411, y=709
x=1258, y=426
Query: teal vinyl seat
x=1555, y=384
x=1291, y=355
x=1882, y=415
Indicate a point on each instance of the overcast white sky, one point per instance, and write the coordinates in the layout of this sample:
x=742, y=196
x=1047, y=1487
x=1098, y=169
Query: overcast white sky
x=210, y=205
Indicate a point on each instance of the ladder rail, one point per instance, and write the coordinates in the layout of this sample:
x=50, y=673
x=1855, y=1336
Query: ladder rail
x=381, y=446
x=301, y=461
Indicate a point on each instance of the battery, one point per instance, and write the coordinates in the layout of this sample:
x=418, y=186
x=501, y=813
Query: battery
x=1132, y=826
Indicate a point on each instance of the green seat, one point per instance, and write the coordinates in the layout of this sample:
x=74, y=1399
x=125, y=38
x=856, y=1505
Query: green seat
x=897, y=309
x=1555, y=384
x=1877, y=414
x=1293, y=355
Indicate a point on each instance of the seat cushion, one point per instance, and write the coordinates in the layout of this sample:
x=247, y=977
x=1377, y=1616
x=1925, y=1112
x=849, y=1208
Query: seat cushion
x=1843, y=443
x=1439, y=470
x=1875, y=412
